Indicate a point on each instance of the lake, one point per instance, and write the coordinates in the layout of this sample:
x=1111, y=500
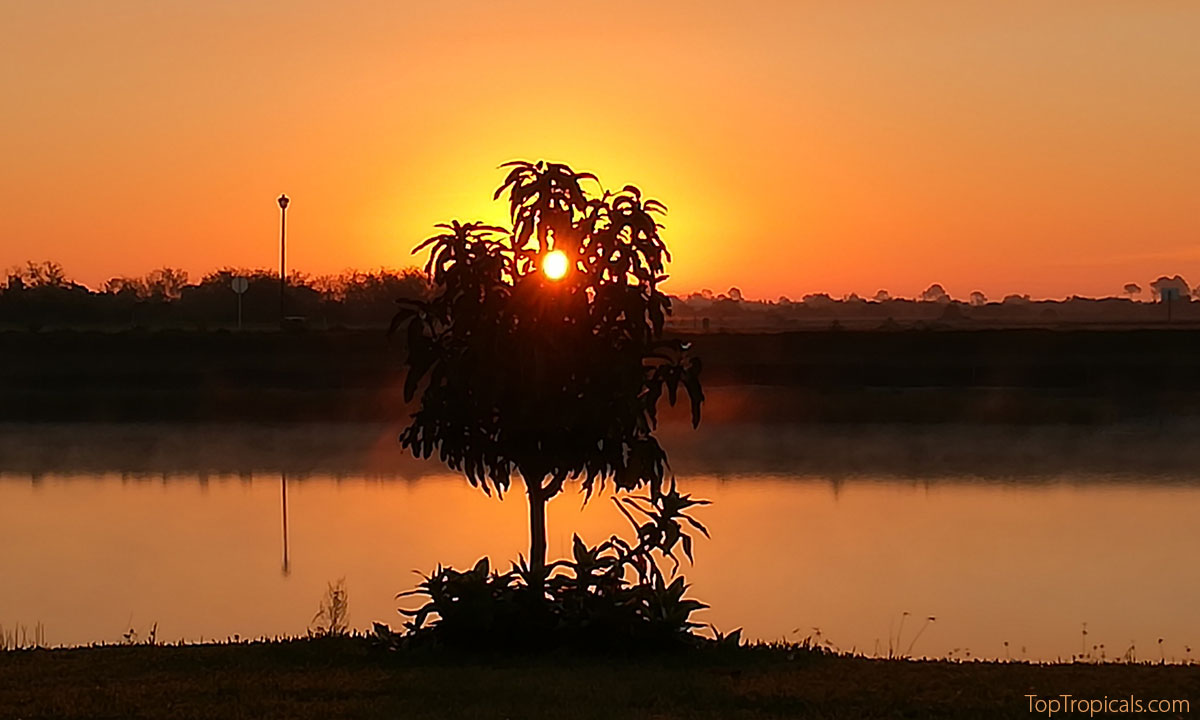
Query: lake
x=1012, y=538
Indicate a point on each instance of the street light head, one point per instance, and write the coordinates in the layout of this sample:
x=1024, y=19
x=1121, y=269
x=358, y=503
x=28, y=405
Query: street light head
x=283, y=202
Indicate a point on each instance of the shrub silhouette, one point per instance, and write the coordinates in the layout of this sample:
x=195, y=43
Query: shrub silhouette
x=547, y=379
x=608, y=597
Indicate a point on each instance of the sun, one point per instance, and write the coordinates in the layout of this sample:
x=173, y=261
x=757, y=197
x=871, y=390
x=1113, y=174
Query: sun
x=555, y=264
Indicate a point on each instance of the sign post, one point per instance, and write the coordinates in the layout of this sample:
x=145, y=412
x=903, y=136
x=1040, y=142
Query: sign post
x=1169, y=296
x=240, y=284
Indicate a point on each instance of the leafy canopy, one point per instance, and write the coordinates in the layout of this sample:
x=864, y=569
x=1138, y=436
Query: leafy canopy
x=551, y=379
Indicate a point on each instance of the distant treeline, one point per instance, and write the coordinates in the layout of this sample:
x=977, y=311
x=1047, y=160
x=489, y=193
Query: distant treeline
x=706, y=312
x=40, y=295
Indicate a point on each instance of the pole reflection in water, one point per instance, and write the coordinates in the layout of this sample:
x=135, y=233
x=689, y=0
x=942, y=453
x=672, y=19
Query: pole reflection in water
x=287, y=568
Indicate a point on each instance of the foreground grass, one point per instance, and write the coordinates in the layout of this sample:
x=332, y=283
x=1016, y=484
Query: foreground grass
x=345, y=679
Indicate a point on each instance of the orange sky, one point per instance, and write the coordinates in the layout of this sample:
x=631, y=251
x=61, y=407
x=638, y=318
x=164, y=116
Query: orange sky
x=1043, y=147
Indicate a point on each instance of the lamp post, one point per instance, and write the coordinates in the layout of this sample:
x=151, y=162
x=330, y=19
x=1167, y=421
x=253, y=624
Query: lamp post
x=283, y=204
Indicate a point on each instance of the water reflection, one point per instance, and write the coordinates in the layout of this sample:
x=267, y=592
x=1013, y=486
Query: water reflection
x=1022, y=559
x=287, y=568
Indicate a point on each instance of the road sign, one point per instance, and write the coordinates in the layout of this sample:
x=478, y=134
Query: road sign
x=1169, y=295
x=240, y=284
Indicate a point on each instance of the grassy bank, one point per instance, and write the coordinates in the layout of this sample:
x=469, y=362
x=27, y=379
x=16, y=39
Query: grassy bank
x=346, y=680
x=1016, y=376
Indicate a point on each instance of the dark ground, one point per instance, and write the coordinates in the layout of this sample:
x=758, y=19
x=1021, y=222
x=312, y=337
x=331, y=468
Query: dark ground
x=345, y=680
x=1009, y=376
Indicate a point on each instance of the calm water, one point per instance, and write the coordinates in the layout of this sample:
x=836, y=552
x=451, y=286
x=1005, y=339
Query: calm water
x=108, y=528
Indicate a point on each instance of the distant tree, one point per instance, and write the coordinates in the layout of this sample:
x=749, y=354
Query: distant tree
x=41, y=294
x=549, y=379
x=14, y=279
x=935, y=293
x=1176, y=283
x=367, y=298
x=125, y=296
x=818, y=300
x=735, y=294
x=381, y=287
x=1015, y=299
x=224, y=276
x=1132, y=290
x=166, y=284
x=39, y=275
x=883, y=296
x=978, y=299
x=126, y=287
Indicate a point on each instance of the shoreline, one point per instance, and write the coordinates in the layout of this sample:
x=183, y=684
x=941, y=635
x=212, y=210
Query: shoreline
x=344, y=677
x=1018, y=377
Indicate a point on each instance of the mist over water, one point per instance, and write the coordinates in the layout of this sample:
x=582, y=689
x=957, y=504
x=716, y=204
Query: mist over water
x=1004, y=534
x=1146, y=452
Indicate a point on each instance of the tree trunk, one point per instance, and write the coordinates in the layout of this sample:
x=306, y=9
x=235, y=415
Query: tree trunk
x=537, y=531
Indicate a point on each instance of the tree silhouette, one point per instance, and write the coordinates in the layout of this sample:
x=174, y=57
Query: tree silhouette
x=935, y=293
x=1174, y=284
x=39, y=275
x=548, y=379
x=166, y=283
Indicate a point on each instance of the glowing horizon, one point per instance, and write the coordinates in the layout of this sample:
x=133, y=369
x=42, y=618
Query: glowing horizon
x=1016, y=148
